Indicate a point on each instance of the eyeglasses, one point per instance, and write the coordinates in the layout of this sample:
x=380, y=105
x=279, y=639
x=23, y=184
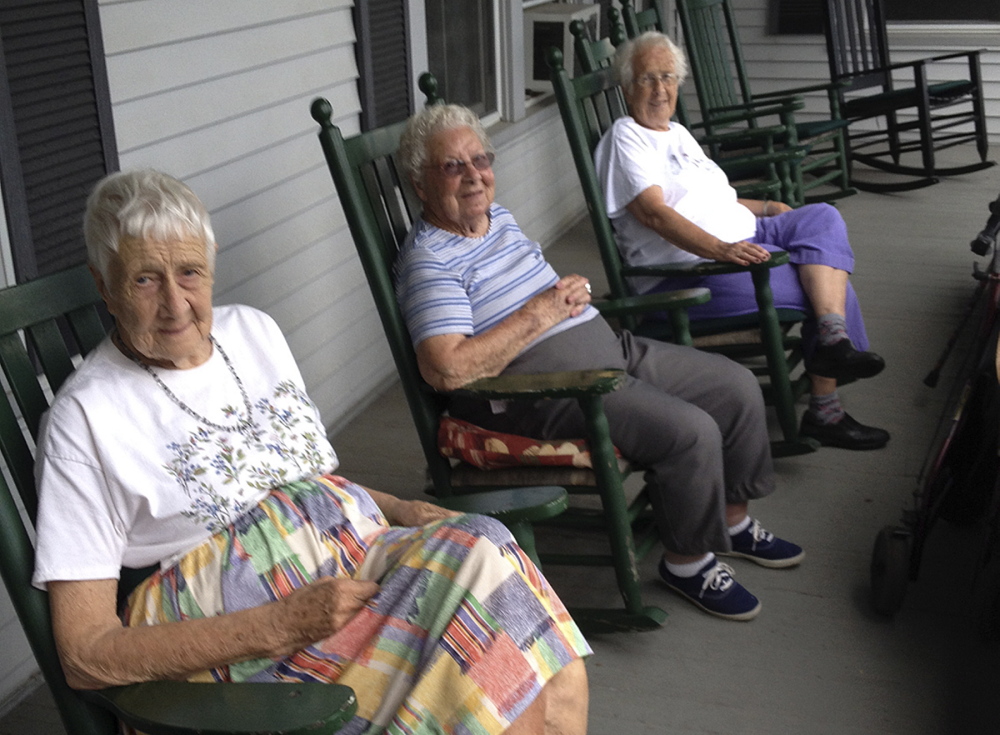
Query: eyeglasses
x=650, y=80
x=454, y=167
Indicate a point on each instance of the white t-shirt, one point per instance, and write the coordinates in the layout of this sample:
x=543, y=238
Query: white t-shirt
x=126, y=477
x=631, y=158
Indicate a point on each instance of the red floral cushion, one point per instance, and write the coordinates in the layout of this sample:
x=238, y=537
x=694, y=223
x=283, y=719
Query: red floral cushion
x=490, y=450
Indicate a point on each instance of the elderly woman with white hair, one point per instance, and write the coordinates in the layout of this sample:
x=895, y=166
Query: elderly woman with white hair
x=480, y=300
x=187, y=441
x=671, y=204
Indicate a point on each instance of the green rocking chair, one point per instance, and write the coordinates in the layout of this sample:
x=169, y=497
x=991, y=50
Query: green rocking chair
x=43, y=324
x=711, y=37
x=589, y=104
x=380, y=206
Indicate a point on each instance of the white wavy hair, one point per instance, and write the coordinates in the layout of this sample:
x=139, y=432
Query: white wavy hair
x=143, y=204
x=625, y=55
x=430, y=121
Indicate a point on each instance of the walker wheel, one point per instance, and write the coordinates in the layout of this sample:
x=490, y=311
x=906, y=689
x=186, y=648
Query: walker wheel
x=890, y=569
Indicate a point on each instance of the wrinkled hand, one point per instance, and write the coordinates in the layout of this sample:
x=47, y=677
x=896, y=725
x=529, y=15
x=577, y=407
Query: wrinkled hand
x=323, y=607
x=419, y=513
x=741, y=253
x=567, y=299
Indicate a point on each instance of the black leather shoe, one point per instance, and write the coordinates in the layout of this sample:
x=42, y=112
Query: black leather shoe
x=846, y=433
x=841, y=361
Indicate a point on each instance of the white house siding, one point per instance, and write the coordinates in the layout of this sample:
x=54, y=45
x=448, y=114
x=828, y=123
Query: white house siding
x=778, y=62
x=536, y=178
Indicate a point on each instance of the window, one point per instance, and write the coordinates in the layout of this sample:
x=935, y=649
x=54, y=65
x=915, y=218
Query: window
x=475, y=49
x=461, y=52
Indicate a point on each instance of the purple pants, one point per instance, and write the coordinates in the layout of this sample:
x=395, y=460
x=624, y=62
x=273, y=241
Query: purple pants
x=814, y=234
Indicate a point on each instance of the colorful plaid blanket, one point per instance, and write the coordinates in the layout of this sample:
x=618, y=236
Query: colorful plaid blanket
x=461, y=637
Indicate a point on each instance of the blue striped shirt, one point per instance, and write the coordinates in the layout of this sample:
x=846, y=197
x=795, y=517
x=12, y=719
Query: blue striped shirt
x=452, y=284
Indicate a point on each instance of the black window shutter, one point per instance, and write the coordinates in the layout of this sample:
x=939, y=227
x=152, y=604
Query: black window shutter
x=58, y=136
x=797, y=16
x=383, y=61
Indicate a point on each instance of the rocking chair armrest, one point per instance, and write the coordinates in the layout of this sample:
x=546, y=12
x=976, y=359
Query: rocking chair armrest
x=703, y=269
x=666, y=301
x=955, y=55
x=226, y=708
x=914, y=64
x=747, y=110
x=770, y=131
x=796, y=91
x=796, y=153
x=569, y=384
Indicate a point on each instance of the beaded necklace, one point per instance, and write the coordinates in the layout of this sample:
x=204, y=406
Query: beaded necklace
x=244, y=426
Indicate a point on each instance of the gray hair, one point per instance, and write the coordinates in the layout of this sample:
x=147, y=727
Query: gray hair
x=625, y=56
x=427, y=123
x=143, y=204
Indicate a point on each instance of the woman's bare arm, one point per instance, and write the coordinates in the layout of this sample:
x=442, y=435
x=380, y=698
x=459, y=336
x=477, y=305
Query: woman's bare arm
x=449, y=361
x=765, y=207
x=97, y=651
x=664, y=220
x=401, y=512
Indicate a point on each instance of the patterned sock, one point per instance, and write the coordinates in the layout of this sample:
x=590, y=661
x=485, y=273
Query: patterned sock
x=691, y=568
x=826, y=409
x=832, y=328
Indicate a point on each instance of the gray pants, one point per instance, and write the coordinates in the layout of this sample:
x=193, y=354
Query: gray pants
x=694, y=420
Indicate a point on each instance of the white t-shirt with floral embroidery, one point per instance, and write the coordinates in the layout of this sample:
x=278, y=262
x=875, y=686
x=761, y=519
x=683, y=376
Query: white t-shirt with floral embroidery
x=126, y=477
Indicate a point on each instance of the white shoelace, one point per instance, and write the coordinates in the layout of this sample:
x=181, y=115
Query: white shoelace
x=759, y=533
x=719, y=578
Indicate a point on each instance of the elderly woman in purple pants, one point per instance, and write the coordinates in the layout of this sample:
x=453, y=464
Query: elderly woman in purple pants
x=671, y=204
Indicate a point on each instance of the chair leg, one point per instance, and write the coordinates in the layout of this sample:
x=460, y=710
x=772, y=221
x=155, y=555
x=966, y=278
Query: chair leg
x=635, y=616
x=524, y=534
x=924, y=114
x=792, y=141
x=892, y=129
x=978, y=109
x=777, y=367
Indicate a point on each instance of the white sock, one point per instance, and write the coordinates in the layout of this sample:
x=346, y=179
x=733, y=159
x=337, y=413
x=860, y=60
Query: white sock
x=691, y=568
x=744, y=524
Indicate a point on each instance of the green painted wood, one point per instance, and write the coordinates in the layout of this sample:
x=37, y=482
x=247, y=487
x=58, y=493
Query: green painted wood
x=513, y=505
x=183, y=708
x=568, y=384
x=711, y=40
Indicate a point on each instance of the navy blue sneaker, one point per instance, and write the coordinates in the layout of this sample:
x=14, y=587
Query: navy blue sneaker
x=763, y=547
x=714, y=590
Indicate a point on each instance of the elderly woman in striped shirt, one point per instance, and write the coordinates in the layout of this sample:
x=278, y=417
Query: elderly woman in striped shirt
x=480, y=300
